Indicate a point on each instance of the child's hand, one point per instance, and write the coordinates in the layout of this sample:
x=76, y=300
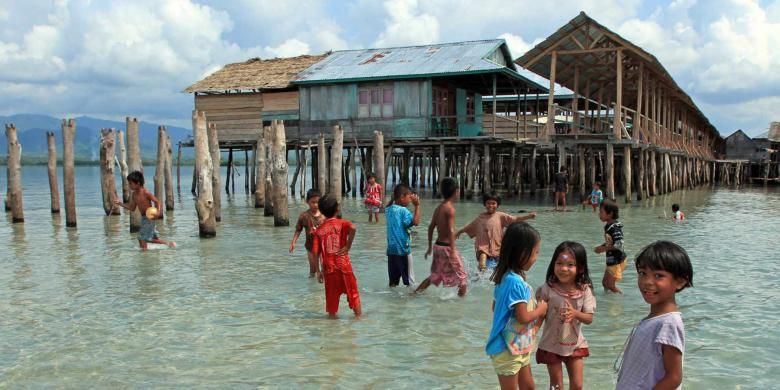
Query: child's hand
x=428, y=253
x=117, y=202
x=566, y=314
x=599, y=249
x=319, y=277
x=344, y=250
x=532, y=215
x=542, y=307
x=292, y=247
x=415, y=200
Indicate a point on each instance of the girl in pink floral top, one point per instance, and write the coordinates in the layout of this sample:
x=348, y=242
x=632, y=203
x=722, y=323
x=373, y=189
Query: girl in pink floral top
x=373, y=199
x=570, y=304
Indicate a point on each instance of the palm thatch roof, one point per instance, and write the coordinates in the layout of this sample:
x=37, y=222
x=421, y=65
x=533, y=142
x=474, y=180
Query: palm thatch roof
x=255, y=74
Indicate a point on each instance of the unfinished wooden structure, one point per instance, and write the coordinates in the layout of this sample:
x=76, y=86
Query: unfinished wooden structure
x=14, y=162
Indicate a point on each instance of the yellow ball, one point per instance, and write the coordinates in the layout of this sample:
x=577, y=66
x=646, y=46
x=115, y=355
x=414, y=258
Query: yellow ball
x=151, y=212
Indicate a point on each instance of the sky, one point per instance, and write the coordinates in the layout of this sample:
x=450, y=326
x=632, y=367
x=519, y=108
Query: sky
x=111, y=59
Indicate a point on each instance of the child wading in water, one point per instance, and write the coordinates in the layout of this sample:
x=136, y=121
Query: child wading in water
x=653, y=355
x=399, y=221
x=332, y=241
x=596, y=196
x=447, y=265
x=373, y=199
x=570, y=301
x=309, y=221
x=146, y=203
x=515, y=311
x=677, y=215
x=613, y=246
x=488, y=228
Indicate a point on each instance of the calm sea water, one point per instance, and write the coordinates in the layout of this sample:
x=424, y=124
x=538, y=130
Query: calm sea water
x=85, y=308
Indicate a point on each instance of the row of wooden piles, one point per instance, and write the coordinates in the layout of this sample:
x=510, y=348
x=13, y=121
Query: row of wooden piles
x=128, y=161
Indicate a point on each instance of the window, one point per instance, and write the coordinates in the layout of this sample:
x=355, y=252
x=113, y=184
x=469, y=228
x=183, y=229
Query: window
x=375, y=102
x=442, y=100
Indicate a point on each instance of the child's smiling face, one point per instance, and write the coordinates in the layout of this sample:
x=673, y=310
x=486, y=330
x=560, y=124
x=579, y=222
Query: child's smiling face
x=313, y=203
x=491, y=206
x=566, y=267
x=657, y=286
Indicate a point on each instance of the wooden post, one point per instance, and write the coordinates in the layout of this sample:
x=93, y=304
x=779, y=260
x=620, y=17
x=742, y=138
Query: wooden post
x=592, y=167
x=550, y=125
x=207, y=222
x=55, y=192
x=486, y=178
x=336, y=163
x=561, y=156
x=652, y=180
x=107, y=178
x=253, y=170
x=268, y=138
x=304, y=162
x=618, y=110
x=260, y=174
x=281, y=217
x=442, y=166
x=297, y=170
x=14, y=174
x=470, y=172
x=532, y=188
x=379, y=160
x=246, y=172
x=178, y=168
x=168, y=174
x=640, y=191
x=581, y=169
x=133, y=164
x=354, y=171
x=159, y=172
x=123, y=166
x=627, y=172
x=228, y=170
x=610, y=171
x=215, y=157
x=322, y=164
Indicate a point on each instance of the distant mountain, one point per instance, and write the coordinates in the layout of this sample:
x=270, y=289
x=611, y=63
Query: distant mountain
x=31, y=130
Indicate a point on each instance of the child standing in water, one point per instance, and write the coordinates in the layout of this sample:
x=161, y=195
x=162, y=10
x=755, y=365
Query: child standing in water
x=373, y=199
x=488, y=228
x=515, y=311
x=677, y=215
x=309, y=220
x=144, y=201
x=399, y=221
x=570, y=301
x=596, y=196
x=447, y=265
x=332, y=241
x=609, y=212
x=653, y=355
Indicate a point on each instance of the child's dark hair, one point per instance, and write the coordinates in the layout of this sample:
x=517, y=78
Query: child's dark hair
x=517, y=246
x=611, y=208
x=491, y=196
x=371, y=175
x=399, y=190
x=448, y=187
x=581, y=260
x=313, y=193
x=667, y=256
x=675, y=207
x=136, y=177
x=328, y=205
x=597, y=183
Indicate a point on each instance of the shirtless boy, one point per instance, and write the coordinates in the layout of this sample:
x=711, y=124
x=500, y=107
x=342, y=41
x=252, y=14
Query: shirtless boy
x=143, y=199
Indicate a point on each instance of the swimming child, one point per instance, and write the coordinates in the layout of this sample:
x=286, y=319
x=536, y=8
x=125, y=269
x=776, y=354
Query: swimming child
x=613, y=245
x=331, y=242
x=561, y=187
x=677, y=215
x=513, y=334
x=399, y=221
x=570, y=303
x=147, y=204
x=447, y=265
x=596, y=196
x=653, y=354
x=488, y=228
x=373, y=199
x=309, y=220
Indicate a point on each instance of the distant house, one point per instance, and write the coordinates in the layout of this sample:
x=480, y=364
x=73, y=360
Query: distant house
x=407, y=92
x=739, y=146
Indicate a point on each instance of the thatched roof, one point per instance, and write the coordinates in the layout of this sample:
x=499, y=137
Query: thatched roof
x=255, y=74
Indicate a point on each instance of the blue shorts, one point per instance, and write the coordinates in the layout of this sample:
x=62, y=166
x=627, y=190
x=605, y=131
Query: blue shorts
x=147, y=231
x=398, y=269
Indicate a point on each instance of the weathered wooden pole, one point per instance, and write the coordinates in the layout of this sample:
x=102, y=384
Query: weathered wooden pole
x=640, y=191
x=442, y=165
x=336, y=157
x=123, y=166
x=627, y=172
x=178, y=168
x=246, y=172
x=207, y=222
x=610, y=171
x=168, y=174
x=533, y=170
x=322, y=164
x=581, y=169
x=653, y=179
x=471, y=172
x=260, y=174
x=354, y=171
x=107, y=177
x=215, y=158
x=379, y=161
x=486, y=178
x=281, y=217
x=268, y=139
x=14, y=174
x=133, y=164
x=68, y=175
x=52, y=165
x=253, y=170
x=228, y=170
x=159, y=171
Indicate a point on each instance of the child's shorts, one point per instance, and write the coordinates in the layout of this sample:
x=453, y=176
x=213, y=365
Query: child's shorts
x=507, y=364
x=617, y=270
x=372, y=209
x=547, y=357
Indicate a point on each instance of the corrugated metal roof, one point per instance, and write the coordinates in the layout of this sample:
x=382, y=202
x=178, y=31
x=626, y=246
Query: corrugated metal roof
x=412, y=61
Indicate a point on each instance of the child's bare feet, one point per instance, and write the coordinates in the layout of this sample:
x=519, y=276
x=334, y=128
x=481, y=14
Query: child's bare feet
x=171, y=244
x=358, y=312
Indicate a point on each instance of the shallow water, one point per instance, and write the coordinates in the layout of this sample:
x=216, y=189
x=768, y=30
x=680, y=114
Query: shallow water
x=85, y=308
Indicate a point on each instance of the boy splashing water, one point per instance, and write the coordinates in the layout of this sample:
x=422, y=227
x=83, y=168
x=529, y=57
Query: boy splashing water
x=145, y=202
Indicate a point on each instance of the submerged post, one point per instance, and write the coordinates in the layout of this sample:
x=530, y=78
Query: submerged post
x=610, y=172
x=280, y=175
x=260, y=174
x=207, y=223
x=322, y=164
x=123, y=167
x=52, y=165
x=213, y=142
x=68, y=176
x=627, y=172
x=268, y=138
x=379, y=161
x=14, y=174
x=159, y=174
x=168, y=174
x=178, y=169
x=107, y=178
x=336, y=163
x=133, y=164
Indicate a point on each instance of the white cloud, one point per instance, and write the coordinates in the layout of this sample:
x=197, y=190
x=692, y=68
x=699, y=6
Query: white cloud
x=517, y=46
x=290, y=48
x=407, y=25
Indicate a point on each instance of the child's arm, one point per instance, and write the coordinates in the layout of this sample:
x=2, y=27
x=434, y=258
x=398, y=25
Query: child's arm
x=431, y=226
x=524, y=316
x=129, y=206
x=673, y=367
x=526, y=217
x=152, y=198
x=350, y=236
x=571, y=313
x=298, y=229
x=416, y=203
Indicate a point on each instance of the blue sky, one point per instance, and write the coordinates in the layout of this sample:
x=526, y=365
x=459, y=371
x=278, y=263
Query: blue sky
x=113, y=59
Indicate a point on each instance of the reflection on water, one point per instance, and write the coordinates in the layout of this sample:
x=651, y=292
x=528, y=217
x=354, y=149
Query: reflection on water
x=87, y=306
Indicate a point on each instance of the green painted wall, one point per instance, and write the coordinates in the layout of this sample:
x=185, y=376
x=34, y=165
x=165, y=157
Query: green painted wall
x=466, y=129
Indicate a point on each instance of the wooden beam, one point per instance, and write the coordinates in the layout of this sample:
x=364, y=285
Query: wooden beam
x=550, y=128
x=618, y=110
